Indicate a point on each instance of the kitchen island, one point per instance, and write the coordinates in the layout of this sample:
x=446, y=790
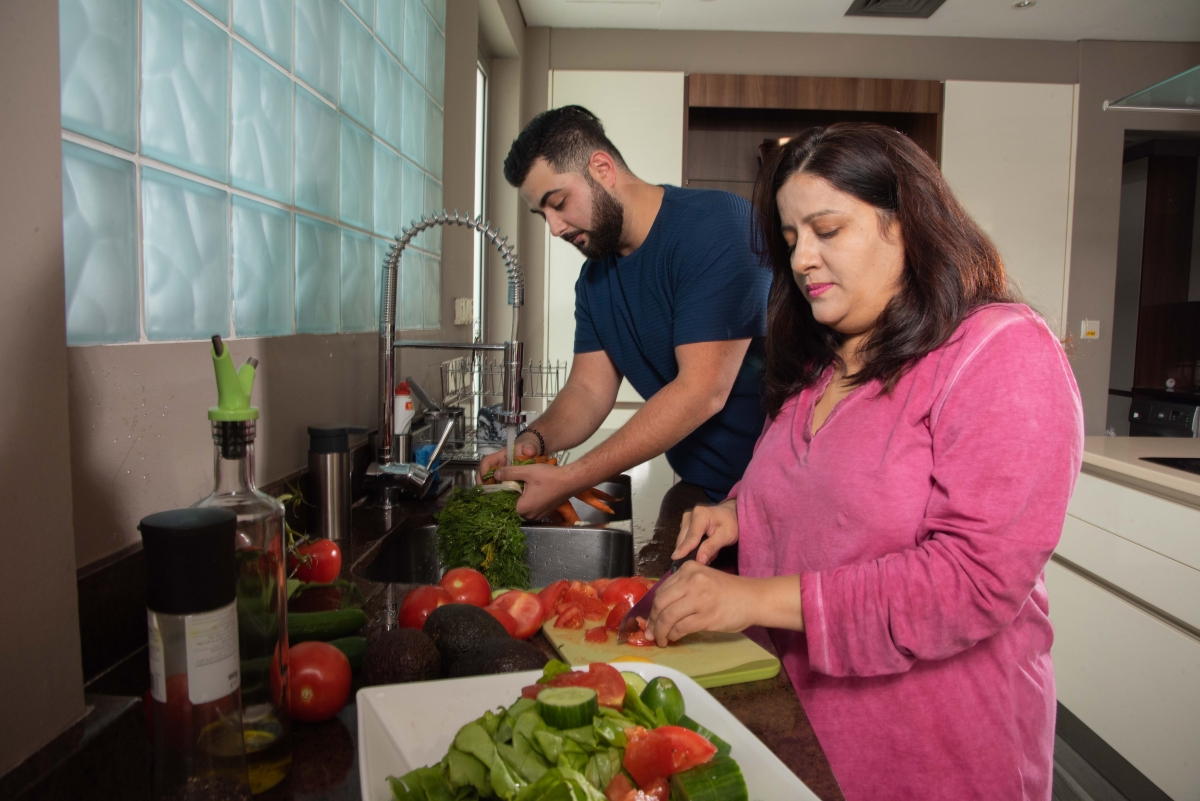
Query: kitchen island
x=325, y=755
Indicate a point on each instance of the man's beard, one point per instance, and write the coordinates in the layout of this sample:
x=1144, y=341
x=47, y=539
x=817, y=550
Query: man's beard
x=608, y=219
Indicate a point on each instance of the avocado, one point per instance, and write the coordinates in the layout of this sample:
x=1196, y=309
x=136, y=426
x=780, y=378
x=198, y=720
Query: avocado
x=400, y=655
x=457, y=628
x=502, y=655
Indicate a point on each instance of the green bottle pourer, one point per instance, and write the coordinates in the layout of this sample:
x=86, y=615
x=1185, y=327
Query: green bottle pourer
x=233, y=386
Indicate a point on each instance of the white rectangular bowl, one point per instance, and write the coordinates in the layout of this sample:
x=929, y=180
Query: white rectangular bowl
x=406, y=726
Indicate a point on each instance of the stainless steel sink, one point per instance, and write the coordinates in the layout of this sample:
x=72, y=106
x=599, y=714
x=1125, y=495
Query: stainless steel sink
x=409, y=554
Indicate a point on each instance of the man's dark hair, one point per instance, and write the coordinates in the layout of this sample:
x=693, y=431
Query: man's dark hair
x=565, y=137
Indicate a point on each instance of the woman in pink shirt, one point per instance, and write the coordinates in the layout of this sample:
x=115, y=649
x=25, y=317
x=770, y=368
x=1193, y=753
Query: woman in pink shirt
x=922, y=443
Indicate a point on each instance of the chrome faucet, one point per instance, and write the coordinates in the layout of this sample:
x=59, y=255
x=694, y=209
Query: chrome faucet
x=411, y=476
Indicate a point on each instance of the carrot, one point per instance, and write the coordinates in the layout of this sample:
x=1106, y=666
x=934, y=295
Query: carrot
x=570, y=517
x=589, y=497
x=602, y=495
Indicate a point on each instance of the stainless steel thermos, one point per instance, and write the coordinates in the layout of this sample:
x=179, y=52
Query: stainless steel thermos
x=329, y=474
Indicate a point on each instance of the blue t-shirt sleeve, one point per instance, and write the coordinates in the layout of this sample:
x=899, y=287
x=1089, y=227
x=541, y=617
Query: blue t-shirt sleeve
x=586, y=338
x=721, y=286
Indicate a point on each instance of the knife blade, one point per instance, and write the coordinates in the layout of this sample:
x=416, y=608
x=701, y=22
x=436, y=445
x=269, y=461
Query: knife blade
x=642, y=608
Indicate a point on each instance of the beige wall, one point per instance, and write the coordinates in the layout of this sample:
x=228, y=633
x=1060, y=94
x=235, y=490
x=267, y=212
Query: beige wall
x=41, y=681
x=142, y=439
x=1108, y=71
x=1104, y=70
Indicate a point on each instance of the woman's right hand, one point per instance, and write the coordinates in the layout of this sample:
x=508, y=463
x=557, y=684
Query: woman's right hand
x=718, y=523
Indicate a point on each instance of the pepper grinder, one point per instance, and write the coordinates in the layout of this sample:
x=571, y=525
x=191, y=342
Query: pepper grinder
x=329, y=466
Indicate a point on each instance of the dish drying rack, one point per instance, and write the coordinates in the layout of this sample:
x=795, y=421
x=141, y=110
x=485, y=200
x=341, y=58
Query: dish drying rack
x=476, y=381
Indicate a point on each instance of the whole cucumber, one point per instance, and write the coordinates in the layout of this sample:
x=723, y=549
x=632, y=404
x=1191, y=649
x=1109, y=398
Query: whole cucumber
x=353, y=647
x=305, y=626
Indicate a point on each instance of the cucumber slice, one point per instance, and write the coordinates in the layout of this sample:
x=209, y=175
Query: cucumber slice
x=662, y=693
x=568, y=707
x=633, y=681
x=723, y=748
x=718, y=780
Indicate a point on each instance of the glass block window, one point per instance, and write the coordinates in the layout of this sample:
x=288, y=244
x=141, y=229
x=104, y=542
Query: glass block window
x=237, y=167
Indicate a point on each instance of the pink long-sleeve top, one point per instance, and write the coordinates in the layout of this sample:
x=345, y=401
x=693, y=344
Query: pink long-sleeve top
x=920, y=522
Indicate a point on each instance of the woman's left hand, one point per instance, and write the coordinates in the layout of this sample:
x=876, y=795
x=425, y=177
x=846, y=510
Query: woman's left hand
x=699, y=598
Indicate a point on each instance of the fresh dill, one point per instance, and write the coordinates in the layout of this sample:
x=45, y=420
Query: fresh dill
x=483, y=531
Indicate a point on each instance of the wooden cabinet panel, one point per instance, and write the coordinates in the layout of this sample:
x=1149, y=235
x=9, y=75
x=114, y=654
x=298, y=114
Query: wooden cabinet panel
x=833, y=94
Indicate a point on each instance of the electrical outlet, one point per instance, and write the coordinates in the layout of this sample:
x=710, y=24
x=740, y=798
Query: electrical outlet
x=1089, y=329
x=464, y=311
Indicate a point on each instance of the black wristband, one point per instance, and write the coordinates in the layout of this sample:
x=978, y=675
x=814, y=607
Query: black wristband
x=541, y=442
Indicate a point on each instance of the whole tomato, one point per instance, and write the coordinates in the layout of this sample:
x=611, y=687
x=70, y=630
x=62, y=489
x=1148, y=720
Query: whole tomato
x=506, y=620
x=417, y=605
x=318, y=681
x=319, y=561
x=467, y=586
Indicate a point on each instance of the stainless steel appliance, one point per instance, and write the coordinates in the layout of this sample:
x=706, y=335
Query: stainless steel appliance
x=1163, y=413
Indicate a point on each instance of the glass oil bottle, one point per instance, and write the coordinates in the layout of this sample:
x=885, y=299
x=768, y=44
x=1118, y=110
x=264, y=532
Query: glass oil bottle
x=261, y=585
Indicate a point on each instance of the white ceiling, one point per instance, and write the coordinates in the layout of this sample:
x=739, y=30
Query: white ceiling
x=1065, y=20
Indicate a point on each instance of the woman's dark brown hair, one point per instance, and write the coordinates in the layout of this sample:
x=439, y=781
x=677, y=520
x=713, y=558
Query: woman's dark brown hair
x=950, y=265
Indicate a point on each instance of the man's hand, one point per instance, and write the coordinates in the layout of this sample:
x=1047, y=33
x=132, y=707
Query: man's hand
x=719, y=523
x=546, y=487
x=526, y=447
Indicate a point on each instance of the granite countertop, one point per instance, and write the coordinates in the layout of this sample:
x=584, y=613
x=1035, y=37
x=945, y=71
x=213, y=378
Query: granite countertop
x=325, y=755
x=1118, y=459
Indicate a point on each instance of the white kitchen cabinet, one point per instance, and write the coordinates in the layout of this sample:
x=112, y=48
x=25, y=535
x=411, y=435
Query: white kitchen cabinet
x=1008, y=151
x=643, y=115
x=1133, y=679
x=1124, y=594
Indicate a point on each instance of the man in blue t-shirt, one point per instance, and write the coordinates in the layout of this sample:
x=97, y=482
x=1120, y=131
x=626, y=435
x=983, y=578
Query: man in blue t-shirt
x=671, y=297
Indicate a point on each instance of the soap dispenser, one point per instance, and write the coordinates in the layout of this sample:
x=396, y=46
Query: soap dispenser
x=262, y=577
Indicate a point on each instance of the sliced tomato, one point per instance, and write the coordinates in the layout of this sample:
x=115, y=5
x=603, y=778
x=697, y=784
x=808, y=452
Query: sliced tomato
x=569, y=617
x=589, y=590
x=592, y=607
x=603, y=678
x=598, y=634
x=657, y=790
x=624, y=589
x=525, y=608
x=551, y=595
x=532, y=691
x=506, y=620
x=664, y=752
x=639, y=639
x=616, y=616
x=649, y=582
x=601, y=584
x=619, y=789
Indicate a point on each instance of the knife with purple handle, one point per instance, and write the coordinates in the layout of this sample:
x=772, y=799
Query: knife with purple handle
x=642, y=608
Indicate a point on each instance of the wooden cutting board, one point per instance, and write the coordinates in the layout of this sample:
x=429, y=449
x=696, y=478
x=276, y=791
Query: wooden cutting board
x=711, y=659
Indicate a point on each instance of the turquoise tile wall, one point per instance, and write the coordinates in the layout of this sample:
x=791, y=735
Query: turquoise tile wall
x=262, y=269
x=185, y=89
x=100, y=235
x=98, y=69
x=266, y=24
x=185, y=249
x=356, y=173
x=274, y=142
x=260, y=148
x=358, y=282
